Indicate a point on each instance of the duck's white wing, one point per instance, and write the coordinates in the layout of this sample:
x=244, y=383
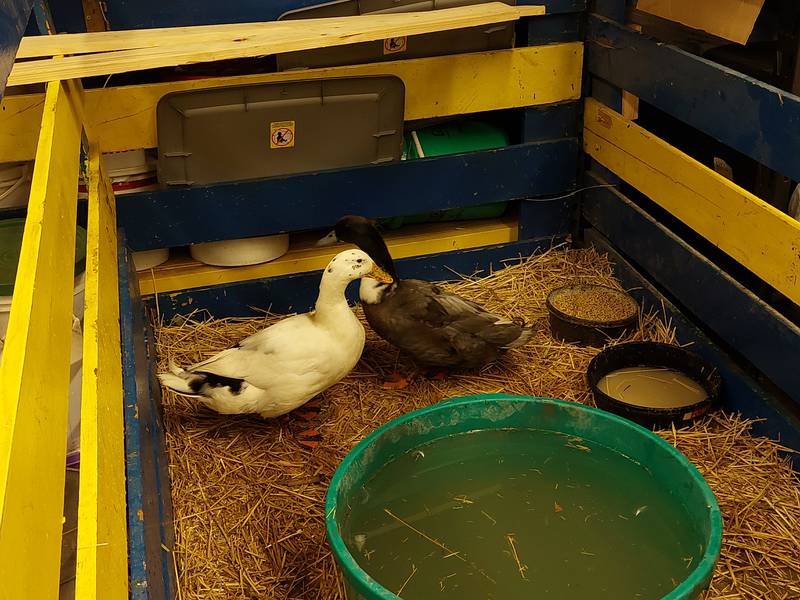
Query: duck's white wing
x=267, y=339
x=288, y=349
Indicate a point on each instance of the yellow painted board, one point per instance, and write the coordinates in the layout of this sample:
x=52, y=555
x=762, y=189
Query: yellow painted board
x=35, y=369
x=124, y=118
x=354, y=28
x=216, y=43
x=303, y=256
x=102, y=555
x=756, y=234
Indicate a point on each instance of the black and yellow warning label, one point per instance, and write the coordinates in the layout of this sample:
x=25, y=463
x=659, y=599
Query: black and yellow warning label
x=281, y=134
x=395, y=45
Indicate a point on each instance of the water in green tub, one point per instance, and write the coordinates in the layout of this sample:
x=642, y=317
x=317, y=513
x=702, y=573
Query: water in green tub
x=520, y=514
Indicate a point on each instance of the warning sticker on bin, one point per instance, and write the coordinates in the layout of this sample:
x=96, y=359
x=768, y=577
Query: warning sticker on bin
x=395, y=45
x=281, y=134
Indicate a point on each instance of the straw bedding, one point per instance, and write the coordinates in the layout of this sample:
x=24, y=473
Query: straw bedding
x=249, y=500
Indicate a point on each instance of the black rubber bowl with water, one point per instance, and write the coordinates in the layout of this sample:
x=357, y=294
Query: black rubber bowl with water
x=588, y=332
x=657, y=355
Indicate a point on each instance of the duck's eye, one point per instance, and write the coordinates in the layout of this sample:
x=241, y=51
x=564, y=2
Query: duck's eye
x=360, y=260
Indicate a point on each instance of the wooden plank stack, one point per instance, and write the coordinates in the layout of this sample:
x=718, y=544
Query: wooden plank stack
x=107, y=53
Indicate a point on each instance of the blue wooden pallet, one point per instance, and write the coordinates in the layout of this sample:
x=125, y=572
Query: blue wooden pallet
x=739, y=319
x=14, y=17
x=177, y=217
x=759, y=120
x=742, y=393
x=151, y=534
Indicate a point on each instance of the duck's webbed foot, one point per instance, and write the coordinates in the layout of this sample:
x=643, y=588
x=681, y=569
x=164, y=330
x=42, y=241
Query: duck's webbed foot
x=436, y=374
x=309, y=412
x=397, y=381
x=310, y=438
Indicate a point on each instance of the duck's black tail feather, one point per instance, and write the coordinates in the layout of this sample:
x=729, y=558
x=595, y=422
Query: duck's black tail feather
x=181, y=381
x=525, y=335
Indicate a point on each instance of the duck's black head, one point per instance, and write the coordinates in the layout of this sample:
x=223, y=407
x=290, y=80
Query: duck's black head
x=363, y=233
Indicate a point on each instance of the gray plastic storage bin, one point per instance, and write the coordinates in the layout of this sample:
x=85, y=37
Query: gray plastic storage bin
x=253, y=131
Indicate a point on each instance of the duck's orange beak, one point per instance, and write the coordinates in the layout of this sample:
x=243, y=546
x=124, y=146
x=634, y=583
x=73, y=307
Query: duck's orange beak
x=379, y=274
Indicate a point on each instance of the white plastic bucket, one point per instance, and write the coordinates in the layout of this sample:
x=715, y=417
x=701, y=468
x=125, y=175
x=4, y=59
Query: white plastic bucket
x=237, y=253
x=130, y=172
x=149, y=259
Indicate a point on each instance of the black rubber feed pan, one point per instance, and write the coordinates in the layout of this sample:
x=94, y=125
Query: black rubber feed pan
x=652, y=360
x=590, y=314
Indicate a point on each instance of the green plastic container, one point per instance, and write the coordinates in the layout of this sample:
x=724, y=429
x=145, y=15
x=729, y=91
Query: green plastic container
x=500, y=411
x=452, y=138
x=11, y=231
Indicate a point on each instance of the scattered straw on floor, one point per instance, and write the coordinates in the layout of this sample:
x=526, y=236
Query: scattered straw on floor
x=249, y=501
x=759, y=496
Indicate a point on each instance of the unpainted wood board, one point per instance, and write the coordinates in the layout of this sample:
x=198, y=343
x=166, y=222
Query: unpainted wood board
x=729, y=19
x=171, y=49
x=110, y=41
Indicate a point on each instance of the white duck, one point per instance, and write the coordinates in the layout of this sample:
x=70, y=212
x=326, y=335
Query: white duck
x=280, y=368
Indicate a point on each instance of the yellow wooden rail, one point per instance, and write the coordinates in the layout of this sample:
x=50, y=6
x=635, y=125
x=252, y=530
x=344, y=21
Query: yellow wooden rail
x=303, y=256
x=34, y=375
x=124, y=118
x=757, y=235
x=102, y=567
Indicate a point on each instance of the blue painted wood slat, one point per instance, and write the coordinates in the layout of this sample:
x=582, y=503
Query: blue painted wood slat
x=752, y=117
x=150, y=526
x=741, y=393
x=551, y=121
x=550, y=29
x=137, y=568
x=279, y=204
x=539, y=217
x=605, y=92
x=744, y=323
x=14, y=16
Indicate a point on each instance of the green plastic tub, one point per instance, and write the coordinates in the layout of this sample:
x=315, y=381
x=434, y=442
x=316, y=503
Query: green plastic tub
x=684, y=483
x=452, y=138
